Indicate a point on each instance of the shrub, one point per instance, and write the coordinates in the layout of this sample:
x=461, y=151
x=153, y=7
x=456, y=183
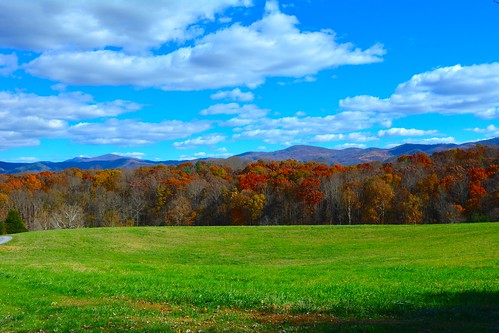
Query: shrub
x=2, y=227
x=14, y=223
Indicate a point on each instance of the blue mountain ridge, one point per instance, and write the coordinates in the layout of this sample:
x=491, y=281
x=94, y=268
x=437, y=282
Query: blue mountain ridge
x=302, y=153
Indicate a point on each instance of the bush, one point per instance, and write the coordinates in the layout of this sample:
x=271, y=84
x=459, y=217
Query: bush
x=14, y=223
x=2, y=227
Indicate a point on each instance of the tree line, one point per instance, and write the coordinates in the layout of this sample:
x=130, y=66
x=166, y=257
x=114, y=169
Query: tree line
x=446, y=187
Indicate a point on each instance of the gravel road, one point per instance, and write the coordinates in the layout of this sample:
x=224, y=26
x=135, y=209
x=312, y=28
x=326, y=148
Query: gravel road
x=4, y=239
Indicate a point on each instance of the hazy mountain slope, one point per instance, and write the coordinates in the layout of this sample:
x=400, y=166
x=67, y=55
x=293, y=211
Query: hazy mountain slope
x=301, y=153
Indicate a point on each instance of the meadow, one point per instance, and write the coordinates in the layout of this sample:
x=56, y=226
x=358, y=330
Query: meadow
x=252, y=279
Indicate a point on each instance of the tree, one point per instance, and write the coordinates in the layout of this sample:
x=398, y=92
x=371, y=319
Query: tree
x=68, y=217
x=310, y=193
x=378, y=196
x=2, y=227
x=181, y=212
x=14, y=223
x=350, y=202
x=412, y=210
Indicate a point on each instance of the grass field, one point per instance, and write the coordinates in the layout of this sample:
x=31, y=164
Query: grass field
x=300, y=278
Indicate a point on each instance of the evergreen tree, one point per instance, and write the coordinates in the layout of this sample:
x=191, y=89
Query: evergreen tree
x=14, y=223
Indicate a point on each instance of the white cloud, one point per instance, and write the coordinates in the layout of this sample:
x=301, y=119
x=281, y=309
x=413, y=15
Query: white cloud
x=11, y=139
x=133, y=25
x=350, y=145
x=448, y=90
x=27, y=118
x=133, y=133
x=59, y=87
x=27, y=159
x=65, y=106
x=431, y=141
x=271, y=136
x=134, y=154
x=235, y=56
x=490, y=131
x=8, y=64
x=246, y=114
x=225, y=19
x=208, y=140
x=202, y=154
x=300, y=130
x=355, y=137
x=392, y=132
x=194, y=156
x=331, y=124
x=234, y=95
x=230, y=108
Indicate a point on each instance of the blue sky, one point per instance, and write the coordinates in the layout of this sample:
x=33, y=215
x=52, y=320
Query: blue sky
x=178, y=79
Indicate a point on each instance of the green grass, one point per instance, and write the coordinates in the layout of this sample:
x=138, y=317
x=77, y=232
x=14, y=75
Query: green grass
x=300, y=278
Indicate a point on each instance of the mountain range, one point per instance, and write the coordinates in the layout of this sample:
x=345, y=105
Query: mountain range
x=303, y=153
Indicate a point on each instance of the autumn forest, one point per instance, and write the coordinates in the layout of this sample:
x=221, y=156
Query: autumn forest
x=446, y=187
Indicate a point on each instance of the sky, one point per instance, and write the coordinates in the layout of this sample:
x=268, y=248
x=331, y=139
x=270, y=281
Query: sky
x=176, y=79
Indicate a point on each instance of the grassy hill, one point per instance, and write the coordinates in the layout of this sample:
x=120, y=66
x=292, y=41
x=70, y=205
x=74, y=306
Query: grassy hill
x=353, y=279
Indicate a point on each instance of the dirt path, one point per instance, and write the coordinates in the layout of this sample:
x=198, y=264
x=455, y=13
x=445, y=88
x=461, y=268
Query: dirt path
x=4, y=239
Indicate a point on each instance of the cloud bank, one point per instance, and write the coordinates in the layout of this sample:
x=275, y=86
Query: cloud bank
x=448, y=90
x=235, y=56
x=25, y=119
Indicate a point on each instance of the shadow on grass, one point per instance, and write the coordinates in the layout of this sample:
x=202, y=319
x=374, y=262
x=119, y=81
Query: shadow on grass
x=445, y=312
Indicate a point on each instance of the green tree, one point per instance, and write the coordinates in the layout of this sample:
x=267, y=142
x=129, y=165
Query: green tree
x=2, y=227
x=14, y=223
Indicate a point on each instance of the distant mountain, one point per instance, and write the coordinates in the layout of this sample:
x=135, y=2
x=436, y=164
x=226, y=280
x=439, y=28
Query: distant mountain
x=108, y=161
x=356, y=155
x=300, y=153
x=107, y=158
x=321, y=155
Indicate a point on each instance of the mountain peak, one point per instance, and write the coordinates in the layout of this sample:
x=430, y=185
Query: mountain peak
x=300, y=153
x=102, y=158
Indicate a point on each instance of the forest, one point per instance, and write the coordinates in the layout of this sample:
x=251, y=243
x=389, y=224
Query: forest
x=447, y=187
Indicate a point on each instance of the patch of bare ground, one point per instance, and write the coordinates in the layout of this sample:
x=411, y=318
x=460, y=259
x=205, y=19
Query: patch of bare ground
x=318, y=322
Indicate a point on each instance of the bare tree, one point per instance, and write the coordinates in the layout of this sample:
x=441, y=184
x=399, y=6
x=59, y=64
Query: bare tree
x=68, y=217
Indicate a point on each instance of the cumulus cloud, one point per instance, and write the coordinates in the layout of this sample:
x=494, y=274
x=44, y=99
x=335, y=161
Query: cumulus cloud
x=208, y=140
x=246, y=114
x=235, y=56
x=134, y=154
x=27, y=118
x=8, y=64
x=132, y=25
x=350, y=145
x=489, y=131
x=234, y=95
x=431, y=141
x=393, y=132
x=65, y=106
x=355, y=137
x=219, y=153
x=271, y=136
x=12, y=139
x=299, y=130
x=133, y=133
x=230, y=108
x=449, y=90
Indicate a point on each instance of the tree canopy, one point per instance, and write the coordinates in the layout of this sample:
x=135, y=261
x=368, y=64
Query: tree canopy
x=446, y=187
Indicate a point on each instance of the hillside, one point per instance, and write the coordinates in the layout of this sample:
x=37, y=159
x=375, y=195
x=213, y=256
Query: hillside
x=108, y=161
x=353, y=156
x=303, y=153
x=432, y=278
